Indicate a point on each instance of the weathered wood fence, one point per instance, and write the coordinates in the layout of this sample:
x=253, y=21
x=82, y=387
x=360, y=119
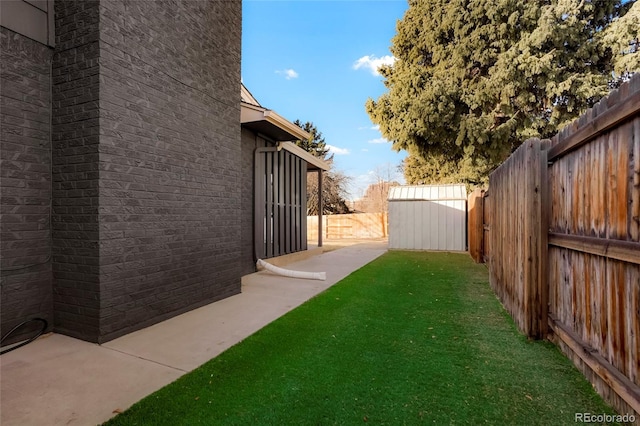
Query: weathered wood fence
x=356, y=225
x=561, y=234
x=479, y=212
x=476, y=210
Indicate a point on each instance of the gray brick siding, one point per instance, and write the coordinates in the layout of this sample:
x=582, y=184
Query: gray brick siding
x=25, y=181
x=76, y=140
x=122, y=165
x=170, y=159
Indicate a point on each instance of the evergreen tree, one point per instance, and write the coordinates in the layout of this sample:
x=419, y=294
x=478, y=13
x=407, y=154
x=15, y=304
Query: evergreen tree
x=316, y=144
x=334, y=183
x=473, y=79
x=623, y=38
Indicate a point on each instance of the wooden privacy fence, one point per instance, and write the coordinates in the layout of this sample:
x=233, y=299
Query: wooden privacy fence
x=356, y=225
x=562, y=223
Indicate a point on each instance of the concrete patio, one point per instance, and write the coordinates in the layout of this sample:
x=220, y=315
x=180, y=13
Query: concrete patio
x=58, y=380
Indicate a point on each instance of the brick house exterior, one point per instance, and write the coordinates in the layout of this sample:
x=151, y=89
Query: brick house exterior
x=25, y=180
x=121, y=162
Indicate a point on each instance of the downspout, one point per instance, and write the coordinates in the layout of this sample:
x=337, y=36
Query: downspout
x=319, y=207
x=258, y=195
x=262, y=265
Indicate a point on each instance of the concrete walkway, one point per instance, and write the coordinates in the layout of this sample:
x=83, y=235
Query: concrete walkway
x=58, y=380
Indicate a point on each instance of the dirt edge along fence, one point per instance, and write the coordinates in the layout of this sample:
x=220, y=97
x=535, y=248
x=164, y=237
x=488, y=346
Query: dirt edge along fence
x=559, y=228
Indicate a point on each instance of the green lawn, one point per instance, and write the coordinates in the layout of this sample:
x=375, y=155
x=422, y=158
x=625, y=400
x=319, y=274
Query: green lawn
x=413, y=337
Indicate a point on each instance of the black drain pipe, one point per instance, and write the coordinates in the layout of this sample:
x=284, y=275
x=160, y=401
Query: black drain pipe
x=26, y=342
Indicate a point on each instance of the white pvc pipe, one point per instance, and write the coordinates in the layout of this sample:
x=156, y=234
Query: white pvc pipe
x=261, y=264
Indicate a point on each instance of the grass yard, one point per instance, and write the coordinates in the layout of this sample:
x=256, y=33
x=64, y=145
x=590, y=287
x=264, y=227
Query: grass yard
x=413, y=337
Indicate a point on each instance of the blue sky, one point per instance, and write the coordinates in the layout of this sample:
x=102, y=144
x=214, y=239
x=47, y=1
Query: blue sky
x=314, y=61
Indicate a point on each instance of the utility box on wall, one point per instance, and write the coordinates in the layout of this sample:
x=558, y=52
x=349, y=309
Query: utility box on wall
x=428, y=217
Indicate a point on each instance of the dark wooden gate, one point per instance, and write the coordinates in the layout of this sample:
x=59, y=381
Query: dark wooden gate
x=281, y=203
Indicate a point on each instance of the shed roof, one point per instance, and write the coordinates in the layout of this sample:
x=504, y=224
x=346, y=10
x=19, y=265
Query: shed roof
x=427, y=192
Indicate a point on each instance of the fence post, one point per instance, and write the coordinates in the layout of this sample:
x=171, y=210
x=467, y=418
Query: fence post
x=475, y=224
x=542, y=206
x=536, y=231
x=519, y=236
x=486, y=226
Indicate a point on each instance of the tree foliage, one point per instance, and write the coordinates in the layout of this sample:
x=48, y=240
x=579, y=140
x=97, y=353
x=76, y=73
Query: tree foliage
x=334, y=183
x=623, y=37
x=375, y=198
x=316, y=144
x=473, y=79
x=435, y=169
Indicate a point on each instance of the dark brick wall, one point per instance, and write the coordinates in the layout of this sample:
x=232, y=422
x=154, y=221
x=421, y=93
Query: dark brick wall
x=25, y=180
x=75, y=170
x=170, y=158
x=247, y=265
x=121, y=155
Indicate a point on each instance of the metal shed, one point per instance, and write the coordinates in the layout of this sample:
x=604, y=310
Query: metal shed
x=428, y=217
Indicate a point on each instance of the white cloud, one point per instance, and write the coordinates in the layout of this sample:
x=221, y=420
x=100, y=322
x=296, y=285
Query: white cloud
x=372, y=63
x=364, y=150
x=338, y=151
x=288, y=73
x=378, y=140
x=376, y=127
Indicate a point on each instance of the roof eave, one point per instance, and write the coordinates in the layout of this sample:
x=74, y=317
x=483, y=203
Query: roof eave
x=276, y=119
x=315, y=162
x=255, y=114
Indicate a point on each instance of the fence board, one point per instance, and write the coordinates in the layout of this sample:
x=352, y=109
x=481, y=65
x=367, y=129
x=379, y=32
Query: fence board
x=600, y=197
x=634, y=183
x=627, y=251
x=620, y=112
x=633, y=299
x=619, y=383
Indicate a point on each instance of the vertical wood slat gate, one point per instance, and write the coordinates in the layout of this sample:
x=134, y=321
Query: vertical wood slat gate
x=281, y=203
